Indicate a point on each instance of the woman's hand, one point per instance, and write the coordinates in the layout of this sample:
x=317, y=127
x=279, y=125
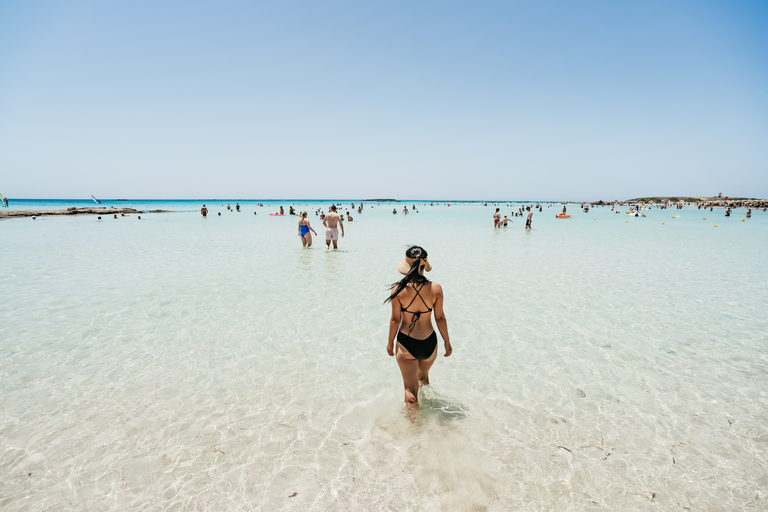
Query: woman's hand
x=448, y=349
x=391, y=348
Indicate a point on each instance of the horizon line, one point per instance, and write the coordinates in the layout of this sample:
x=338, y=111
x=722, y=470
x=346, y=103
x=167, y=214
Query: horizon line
x=382, y=200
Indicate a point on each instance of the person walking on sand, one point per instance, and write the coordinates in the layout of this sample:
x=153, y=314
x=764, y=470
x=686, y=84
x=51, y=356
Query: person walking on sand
x=204, y=211
x=413, y=300
x=530, y=217
x=331, y=223
x=304, y=229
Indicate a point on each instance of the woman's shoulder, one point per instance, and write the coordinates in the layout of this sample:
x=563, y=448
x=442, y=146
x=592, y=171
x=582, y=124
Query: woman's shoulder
x=435, y=288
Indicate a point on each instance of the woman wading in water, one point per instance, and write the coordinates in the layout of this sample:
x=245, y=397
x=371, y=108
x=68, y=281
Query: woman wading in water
x=413, y=300
x=304, y=227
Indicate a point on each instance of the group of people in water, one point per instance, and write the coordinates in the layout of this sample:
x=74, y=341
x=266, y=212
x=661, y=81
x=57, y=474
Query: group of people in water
x=405, y=210
x=499, y=222
x=332, y=222
x=114, y=216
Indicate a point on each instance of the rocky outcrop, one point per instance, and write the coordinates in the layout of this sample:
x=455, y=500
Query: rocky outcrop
x=7, y=214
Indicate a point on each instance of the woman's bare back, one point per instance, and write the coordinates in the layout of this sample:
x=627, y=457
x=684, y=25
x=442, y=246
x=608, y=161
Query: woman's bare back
x=417, y=312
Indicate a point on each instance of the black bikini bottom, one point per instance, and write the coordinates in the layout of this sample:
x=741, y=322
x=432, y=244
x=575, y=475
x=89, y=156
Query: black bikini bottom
x=420, y=349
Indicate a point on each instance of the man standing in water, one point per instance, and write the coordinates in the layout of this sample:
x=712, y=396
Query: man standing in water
x=331, y=223
x=204, y=211
x=530, y=217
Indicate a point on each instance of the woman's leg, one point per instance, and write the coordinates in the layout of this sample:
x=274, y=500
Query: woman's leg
x=308, y=236
x=425, y=365
x=409, y=368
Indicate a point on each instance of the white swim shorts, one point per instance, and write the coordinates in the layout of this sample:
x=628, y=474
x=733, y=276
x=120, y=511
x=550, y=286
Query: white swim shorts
x=331, y=233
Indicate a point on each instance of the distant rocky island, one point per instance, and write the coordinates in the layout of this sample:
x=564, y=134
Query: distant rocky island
x=713, y=201
x=689, y=199
x=103, y=210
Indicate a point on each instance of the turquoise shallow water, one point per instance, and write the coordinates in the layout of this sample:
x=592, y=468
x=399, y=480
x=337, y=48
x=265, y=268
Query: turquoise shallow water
x=176, y=362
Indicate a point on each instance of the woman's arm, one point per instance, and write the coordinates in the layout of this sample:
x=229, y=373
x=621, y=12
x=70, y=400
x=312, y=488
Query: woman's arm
x=442, y=324
x=394, y=324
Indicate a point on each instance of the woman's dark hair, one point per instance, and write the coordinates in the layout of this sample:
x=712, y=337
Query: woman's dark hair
x=413, y=276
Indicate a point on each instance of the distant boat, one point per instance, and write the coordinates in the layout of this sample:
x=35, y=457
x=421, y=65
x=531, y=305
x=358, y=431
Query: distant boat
x=4, y=201
x=95, y=200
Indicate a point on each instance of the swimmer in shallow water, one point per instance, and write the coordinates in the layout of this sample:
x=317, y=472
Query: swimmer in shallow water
x=413, y=300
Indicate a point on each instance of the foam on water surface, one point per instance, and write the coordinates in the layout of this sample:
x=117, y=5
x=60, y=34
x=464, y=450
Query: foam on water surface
x=185, y=363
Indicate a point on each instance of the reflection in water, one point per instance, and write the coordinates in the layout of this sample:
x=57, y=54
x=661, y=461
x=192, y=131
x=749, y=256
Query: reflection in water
x=333, y=265
x=304, y=260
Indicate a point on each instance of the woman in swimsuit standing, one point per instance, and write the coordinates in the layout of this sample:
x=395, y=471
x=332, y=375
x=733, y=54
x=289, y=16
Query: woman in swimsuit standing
x=413, y=300
x=304, y=227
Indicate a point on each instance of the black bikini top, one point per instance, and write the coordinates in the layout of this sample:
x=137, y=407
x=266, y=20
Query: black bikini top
x=416, y=314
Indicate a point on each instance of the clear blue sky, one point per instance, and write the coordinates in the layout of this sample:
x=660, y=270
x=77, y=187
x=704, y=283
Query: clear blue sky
x=406, y=99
